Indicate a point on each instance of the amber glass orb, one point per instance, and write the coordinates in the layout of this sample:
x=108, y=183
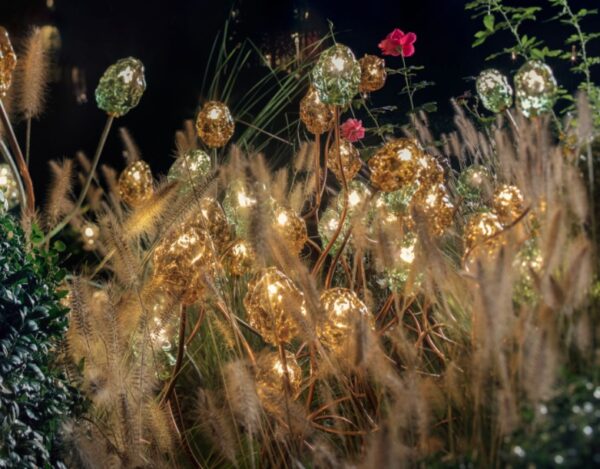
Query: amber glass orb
x=395, y=165
x=274, y=374
x=215, y=124
x=350, y=158
x=184, y=261
x=240, y=258
x=317, y=116
x=135, y=183
x=273, y=304
x=291, y=228
x=373, y=74
x=507, y=203
x=344, y=312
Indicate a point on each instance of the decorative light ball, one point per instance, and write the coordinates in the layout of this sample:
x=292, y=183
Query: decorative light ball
x=350, y=158
x=240, y=258
x=344, y=312
x=121, y=87
x=535, y=88
x=8, y=186
x=507, y=203
x=430, y=172
x=135, y=183
x=483, y=230
x=274, y=304
x=239, y=203
x=401, y=263
x=89, y=235
x=395, y=165
x=527, y=263
x=328, y=225
x=396, y=202
x=359, y=196
x=291, y=228
x=211, y=218
x=317, y=116
x=493, y=89
x=436, y=206
x=183, y=260
x=8, y=61
x=191, y=167
x=373, y=74
x=336, y=76
x=215, y=124
x=273, y=375
x=473, y=182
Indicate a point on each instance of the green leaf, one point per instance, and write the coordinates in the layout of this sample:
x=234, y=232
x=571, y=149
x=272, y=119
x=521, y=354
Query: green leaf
x=488, y=22
x=37, y=235
x=59, y=246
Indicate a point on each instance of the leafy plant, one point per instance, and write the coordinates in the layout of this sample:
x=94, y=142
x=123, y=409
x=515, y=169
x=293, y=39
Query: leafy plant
x=34, y=399
x=519, y=23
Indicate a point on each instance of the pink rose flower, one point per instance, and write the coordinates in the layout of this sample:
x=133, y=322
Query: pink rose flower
x=352, y=130
x=397, y=43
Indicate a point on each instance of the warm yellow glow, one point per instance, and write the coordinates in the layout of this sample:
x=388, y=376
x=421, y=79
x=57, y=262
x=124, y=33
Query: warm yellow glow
x=338, y=63
x=214, y=113
x=245, y=201
x=407, y=254
x=282, y=218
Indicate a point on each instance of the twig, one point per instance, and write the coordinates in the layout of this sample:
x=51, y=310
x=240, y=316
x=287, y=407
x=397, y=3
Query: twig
x=58, y=228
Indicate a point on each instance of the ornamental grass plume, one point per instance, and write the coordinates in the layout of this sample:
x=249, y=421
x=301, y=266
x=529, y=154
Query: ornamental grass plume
x=32, y=76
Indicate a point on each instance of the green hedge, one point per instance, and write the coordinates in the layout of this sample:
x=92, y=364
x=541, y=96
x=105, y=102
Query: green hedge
x=33, y=397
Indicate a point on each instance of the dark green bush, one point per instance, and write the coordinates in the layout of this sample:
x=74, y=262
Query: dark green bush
x=33, y=398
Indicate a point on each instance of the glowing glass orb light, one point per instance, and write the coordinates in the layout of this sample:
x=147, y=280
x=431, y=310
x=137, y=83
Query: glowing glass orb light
x=493, y=89
x=344, y=311
x=373, y=73
x=337, y=75
x=395, y=165
x=291, y=228
x=8, y=186
x=473, y=182
x=135, y=183
x=121, y=87
x=8, y=61
x=192, y=166
x=272, y=304
x=483, y=230
x=507, y=203
x=273, y=372
x=240, y=258
x=215, y=124
x=350, y=159
x=183, y=262
x=211, y=218
x=535, y=88
x=317, y=116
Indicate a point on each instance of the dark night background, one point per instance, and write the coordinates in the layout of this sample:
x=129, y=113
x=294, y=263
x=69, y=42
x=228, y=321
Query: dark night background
x=174, y=38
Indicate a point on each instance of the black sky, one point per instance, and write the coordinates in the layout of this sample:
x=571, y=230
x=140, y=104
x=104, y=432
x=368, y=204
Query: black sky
x=173, y=39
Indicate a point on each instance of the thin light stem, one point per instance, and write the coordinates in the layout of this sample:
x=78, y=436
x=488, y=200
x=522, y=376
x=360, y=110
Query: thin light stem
x=20, y=161
x=27, y=141
x=408, y=84
x=336, y=234
x=58, y=228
